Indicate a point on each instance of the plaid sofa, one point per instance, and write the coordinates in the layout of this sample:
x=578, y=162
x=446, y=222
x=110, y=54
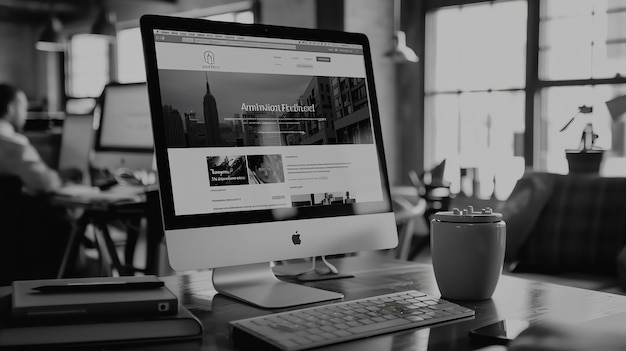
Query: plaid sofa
x=567, y=225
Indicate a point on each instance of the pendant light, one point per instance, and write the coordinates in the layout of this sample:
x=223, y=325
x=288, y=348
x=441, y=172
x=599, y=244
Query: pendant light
x=105, y=23
x=51, y=38
x=400, y=52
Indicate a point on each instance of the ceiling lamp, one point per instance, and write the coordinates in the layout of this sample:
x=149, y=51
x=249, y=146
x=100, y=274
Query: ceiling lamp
x=104, y=24
x=50, y=38
x=400, y=52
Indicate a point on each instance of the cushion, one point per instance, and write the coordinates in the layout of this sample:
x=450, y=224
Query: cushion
x=581, y=228
x=523, y=207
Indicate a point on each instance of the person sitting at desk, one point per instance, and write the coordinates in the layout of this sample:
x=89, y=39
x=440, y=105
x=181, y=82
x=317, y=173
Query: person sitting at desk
x=34, y=233
x=17, y=155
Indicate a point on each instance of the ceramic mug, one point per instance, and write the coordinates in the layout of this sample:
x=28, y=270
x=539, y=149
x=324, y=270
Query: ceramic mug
x=467, y=250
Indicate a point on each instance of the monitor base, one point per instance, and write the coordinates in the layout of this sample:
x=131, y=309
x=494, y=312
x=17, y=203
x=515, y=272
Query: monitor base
x=256, y=284
x=297, y=272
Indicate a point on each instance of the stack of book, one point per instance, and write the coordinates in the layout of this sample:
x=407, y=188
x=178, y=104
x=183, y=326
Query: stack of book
x=94, y=310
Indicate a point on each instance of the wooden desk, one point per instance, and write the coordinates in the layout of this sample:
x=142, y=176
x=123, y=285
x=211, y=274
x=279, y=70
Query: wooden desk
x=514, y=298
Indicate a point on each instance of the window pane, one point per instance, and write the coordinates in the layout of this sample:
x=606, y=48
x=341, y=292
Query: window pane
x=88, y=65
x=131, y=68
x=239, y=17
x=610, y=48
x=484, y=130
x=466, y=52
x=565, y=8
x=245, y=17
x=442, y=53
x=558, y=105
x=479, y=131
x=130, y=60
x=582, y=39
x=565, y=48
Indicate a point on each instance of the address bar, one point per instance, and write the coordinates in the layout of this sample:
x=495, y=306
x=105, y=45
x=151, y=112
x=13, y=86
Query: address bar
x=239, y=43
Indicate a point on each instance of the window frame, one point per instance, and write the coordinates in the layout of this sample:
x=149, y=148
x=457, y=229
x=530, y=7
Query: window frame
x=534, y=84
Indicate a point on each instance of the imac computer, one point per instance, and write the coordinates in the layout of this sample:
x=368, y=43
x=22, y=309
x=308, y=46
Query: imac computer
x=268, y=147
x=123, y=126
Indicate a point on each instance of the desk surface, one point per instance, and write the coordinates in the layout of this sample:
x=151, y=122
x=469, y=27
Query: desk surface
x=514, y=298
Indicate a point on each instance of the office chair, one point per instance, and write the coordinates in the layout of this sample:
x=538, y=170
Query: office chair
x=33, y=234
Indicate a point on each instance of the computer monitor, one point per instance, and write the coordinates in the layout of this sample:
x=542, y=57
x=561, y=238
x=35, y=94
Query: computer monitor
x=123, y=129
x=268, y=147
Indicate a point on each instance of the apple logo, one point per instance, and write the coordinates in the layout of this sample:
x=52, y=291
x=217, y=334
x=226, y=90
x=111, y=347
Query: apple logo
x=296, y=238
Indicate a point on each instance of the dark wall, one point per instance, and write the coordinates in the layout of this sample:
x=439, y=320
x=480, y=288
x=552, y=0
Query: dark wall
x=20, y=63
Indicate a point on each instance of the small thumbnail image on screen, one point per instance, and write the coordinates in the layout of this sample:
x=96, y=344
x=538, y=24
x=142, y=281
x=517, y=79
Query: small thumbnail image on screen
x=322, y=199
x=264, y=169
x=227, y=170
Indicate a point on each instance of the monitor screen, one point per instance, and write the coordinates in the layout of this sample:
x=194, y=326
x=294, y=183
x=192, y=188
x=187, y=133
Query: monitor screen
x=124, y=138
x=124, y=122
x=268, y=142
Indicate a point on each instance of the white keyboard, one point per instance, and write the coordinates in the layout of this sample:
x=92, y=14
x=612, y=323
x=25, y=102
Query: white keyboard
x=342, y=321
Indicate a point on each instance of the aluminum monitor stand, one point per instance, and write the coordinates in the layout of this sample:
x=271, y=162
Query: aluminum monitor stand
x=256, y=284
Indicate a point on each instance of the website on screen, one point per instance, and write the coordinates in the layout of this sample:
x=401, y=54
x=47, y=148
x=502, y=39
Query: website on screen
x=261, y=123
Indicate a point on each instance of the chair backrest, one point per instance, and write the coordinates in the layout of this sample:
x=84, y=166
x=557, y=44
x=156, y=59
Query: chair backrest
x=580, y=227
x=10, y=188
x=33, y=234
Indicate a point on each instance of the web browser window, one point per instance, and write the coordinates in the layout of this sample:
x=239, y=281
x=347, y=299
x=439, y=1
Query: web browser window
x=258, y=123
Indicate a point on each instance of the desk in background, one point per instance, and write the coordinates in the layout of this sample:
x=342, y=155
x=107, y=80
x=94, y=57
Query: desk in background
x=100, y=214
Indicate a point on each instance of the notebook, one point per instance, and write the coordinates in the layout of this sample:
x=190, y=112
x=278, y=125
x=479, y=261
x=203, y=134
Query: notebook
x=181, y=326
x=29, y=304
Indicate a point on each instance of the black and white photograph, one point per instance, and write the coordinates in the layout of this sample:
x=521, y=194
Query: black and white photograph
x=265, y=169
x=295, y=175
x=227, y=170
x=234, y=109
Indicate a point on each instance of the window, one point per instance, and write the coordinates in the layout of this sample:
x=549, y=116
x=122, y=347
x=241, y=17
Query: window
x=483, y=99
x=130, y=65
x=475, y=79
x=130, y=51
x=88, y=57
x=239, y=17
x=582, y=61
x=88, y=65
x=582, y=39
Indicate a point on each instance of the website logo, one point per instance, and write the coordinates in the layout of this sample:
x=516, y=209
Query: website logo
x=209, y=57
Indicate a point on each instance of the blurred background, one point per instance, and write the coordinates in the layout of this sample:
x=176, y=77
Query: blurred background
x=494, y=81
